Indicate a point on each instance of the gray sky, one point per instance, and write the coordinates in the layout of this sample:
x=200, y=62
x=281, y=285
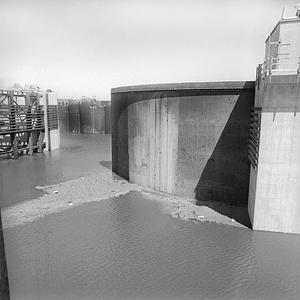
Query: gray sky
x=86, y=47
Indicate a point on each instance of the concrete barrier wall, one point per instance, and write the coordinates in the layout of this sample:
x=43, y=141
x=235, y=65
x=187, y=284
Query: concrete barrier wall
x=190, y=140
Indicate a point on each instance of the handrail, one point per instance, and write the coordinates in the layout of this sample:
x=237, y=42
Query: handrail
x=284, y=64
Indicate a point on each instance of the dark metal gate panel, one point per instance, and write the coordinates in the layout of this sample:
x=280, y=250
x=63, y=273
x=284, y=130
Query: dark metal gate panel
x=92, y=118
x=107, y=119
x=63, y=112
x=74, y=118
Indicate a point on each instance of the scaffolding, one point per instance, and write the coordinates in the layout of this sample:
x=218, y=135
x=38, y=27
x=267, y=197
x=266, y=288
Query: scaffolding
x=22, y=121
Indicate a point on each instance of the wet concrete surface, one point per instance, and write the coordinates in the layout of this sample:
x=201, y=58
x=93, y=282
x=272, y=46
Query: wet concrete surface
x=79, y=155
x=98, y=237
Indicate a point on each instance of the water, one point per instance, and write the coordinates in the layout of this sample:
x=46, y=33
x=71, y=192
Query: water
x=127, y=248
x=79, y=155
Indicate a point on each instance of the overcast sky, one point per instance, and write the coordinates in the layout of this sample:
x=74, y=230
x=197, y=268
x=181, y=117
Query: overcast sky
x=82, y=47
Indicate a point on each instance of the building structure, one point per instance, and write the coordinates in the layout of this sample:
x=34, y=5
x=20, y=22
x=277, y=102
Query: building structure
x=28, y=121
x=274, y=150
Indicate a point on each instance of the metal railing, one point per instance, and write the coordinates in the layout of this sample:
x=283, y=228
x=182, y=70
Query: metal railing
x=280, y=66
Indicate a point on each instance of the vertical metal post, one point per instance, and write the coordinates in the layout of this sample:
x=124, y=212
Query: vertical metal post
x=29, y=125
x=105, y=112
x=93, y=118
x=12, y=125
x=298, y=70
x=47, y=132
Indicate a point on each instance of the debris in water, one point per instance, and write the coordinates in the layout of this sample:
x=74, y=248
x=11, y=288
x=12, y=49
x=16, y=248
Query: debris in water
x=38, y=187
x=55, y=192
x=70, y=203
x=82, y=178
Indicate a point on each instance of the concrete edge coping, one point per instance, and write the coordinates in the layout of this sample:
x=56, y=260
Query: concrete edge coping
x=220, y=85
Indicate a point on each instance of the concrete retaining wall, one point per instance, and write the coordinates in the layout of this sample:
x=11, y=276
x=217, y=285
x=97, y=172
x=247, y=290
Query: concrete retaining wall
x=186, y=139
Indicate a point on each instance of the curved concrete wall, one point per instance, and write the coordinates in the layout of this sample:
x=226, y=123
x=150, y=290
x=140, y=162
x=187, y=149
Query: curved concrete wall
x=187, y=139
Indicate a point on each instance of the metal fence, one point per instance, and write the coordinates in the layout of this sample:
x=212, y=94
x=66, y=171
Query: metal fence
x=281, y=66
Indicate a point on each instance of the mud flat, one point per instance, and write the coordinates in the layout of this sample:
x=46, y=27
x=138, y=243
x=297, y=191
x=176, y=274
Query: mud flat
x=101, y=186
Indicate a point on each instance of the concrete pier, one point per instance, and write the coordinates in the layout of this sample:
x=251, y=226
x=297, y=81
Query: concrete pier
x=187, y=139
x=274, y=189
x=52, y=133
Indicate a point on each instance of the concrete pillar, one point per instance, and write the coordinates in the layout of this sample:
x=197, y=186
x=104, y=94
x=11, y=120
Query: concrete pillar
x=47, y=135
x=54, y=134
x=274, y=191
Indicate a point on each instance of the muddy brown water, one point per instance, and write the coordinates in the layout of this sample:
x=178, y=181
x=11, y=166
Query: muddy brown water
x=127, y=248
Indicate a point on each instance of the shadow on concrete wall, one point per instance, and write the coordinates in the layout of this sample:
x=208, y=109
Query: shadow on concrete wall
x=228, y=168
x=224, y=181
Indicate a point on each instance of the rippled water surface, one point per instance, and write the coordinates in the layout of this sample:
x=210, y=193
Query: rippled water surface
x=127, y=248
